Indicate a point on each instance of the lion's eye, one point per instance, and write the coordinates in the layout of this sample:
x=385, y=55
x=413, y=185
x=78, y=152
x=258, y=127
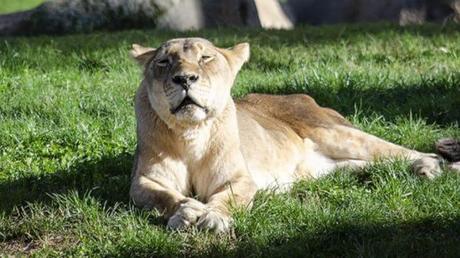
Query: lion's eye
x=206, y=58
x=163, y=62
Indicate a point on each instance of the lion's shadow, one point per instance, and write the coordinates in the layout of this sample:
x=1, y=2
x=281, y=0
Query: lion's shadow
x=426, y=237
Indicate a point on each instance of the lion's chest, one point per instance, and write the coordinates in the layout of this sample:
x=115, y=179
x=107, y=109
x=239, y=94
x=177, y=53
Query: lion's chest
x=194, y=146
x=209, y=165
x=194, y=155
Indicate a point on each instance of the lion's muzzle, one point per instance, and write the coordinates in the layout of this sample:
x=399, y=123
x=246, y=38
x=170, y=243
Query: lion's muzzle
x=187, y=102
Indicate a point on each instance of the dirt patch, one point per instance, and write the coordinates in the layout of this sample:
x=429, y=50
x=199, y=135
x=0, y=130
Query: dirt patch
x=25, y=246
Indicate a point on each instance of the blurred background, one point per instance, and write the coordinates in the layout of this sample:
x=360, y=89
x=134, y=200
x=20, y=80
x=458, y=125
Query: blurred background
x=67, y=16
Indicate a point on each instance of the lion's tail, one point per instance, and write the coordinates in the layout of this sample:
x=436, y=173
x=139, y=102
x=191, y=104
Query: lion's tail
x=449, y=149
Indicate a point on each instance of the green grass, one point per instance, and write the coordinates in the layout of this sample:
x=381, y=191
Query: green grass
x=68, y=134
x=8, y=6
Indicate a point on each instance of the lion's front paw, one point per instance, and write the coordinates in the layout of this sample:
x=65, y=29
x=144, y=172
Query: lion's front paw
x=215, y=221
x=427, y=167
x=187, y=214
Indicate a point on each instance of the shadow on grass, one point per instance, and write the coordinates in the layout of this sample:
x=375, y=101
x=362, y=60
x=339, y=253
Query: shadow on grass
x=108, y=179
x=437, y=100
x=425, y=238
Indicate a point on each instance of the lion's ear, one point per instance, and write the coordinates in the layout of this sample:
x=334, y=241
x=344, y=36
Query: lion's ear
x=142, y=54
x=238, y=55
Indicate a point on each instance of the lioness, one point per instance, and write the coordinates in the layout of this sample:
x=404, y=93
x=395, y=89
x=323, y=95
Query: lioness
x=199, y=152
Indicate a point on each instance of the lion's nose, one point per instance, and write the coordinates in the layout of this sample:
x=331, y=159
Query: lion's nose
x=185, y=80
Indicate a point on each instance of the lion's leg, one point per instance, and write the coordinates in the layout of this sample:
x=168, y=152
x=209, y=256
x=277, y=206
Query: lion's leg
x=227, y=185
x=349, y=145
x=238, y=192
x=157, y=185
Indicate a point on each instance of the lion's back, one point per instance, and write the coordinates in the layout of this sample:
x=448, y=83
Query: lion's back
x=298, y=111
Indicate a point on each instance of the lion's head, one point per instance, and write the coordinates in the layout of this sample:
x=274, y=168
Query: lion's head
x=189, y=79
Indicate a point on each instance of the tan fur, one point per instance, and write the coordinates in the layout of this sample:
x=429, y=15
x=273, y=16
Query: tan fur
x=193, y=164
